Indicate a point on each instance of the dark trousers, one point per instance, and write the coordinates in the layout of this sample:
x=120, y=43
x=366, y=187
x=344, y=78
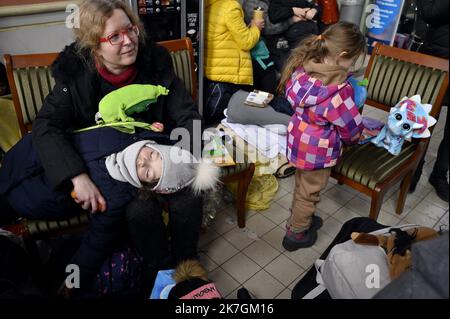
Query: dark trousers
x=280, y=45
x=150, y=235
x=441, y=165
x=216, y=97
x=281, y=105
x=300, y=30
x=264, y=80
x=279, y=50
x=7, y=215
x=440, y=168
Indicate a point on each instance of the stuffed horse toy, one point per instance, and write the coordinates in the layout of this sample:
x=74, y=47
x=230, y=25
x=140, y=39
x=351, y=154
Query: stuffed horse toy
x=408, y=119
x=397, y=245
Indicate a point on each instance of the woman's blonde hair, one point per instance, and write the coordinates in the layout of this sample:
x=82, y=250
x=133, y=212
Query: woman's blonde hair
x=337, y=38
x=93, y=17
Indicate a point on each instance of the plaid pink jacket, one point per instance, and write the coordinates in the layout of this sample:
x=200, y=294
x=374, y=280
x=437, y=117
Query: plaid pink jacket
x=324, y=115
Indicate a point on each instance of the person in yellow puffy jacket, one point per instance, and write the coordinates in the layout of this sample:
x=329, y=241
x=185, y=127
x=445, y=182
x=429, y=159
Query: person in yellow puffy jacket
x=228, y=63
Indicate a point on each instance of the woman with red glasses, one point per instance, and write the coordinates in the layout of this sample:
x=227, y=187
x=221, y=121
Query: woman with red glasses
x=109, y=52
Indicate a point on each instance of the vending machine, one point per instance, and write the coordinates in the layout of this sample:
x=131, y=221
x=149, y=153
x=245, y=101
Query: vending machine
x=174, y=19
x=193, y=24
x=162, y=19
x=170, y=19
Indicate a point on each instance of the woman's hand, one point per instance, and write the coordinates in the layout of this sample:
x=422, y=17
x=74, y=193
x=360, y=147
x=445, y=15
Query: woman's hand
x=87, y=194
x=300, y=13
x=310, y=13
x=296, y=19
x=259, y=23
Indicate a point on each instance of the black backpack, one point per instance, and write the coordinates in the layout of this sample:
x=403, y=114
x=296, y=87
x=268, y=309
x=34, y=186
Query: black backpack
x=16, y=279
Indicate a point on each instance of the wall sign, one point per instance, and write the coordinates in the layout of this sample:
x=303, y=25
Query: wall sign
x=382, y=21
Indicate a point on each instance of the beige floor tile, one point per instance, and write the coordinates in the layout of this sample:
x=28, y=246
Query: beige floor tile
x=331, y=226
x=327, y=188
x=260, y=224
x=430, y=161
x=441, y=227
x=344, y=214
x=239, y=237
x=261, y=252
x=423, y=186
x=431, y=210
x=387, y=219
x=444, y=219
x=323, y=241
x=232, y=295
x=286, y=201
x=285, y=294
x=321, y=214
x=284, y=270
x=276, y=213
x=433, y=147
x=222, y=223
x=349, y=189
x=240, y=267
x=223, y=281
x=359, y=206
x=305, y=257
x=412, y=199
x=339, y=195
x=328, y=205
x=264, y=286
x=430, y=157
x=436, y=139
x=266, y=269
x=391, y=205
x=433, y=198
x=293, y=283
x=250, y=213
x=280, y=193
x=232, y=211
x=220, y=250
x=368, y=199
x=332, y=181
x=287, y=183
x=207, y=236
x=275, y=237
x=393, y=190
x=207, y=262
x=419, y=218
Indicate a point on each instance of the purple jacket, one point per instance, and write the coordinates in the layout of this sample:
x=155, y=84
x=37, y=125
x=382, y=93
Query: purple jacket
x=324, y=115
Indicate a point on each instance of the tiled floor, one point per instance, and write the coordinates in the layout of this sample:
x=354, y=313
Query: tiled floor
x=235, y=259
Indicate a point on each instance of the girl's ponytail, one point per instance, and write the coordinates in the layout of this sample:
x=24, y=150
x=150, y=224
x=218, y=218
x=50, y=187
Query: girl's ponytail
x=312, y=47
x=338, y=38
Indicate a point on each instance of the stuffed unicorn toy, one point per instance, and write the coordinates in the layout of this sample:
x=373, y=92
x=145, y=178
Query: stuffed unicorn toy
x=408, y=119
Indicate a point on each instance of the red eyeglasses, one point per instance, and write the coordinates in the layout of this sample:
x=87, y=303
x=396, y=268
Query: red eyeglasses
x=116, y=38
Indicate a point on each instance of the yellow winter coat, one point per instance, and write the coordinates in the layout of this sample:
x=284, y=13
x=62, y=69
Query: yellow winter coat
x=228, y=43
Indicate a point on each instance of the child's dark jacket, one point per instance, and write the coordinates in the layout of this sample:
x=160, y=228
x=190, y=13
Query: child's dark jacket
x=23, y=182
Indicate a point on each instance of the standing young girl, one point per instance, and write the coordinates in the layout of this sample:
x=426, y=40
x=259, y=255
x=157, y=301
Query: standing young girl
x=315, y=84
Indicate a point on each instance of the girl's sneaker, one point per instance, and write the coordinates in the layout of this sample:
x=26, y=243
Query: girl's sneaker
x=296, y=240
